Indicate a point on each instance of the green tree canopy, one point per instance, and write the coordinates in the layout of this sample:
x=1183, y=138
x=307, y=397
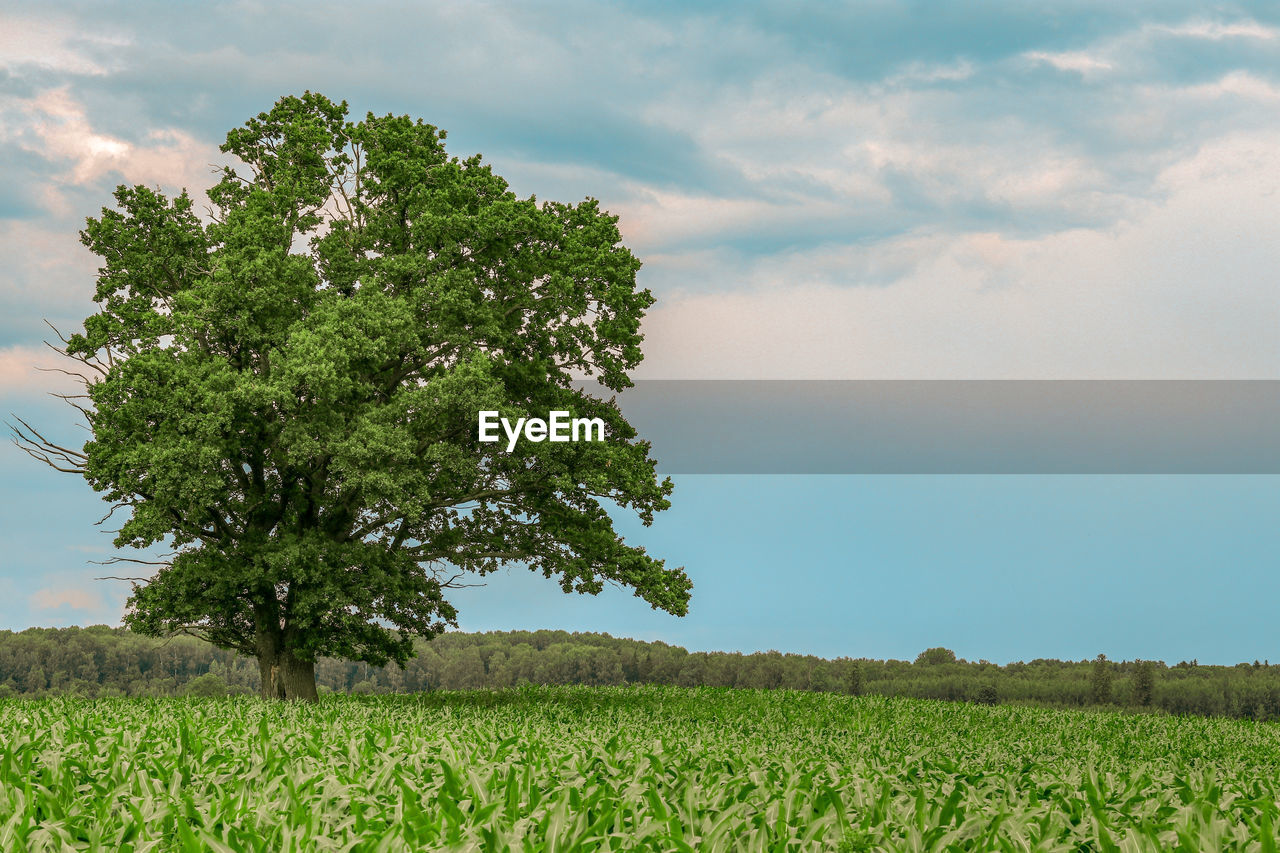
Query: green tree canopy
x=286, y=392
x=935, y=656
x=1100, y=680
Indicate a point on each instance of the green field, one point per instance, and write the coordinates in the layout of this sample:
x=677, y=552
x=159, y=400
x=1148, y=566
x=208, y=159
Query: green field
x=575, y=768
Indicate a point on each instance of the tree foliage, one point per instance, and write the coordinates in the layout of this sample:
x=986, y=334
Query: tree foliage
x=1144, y=682
x=1100, y=680
x=935, y=656
x=286, y=391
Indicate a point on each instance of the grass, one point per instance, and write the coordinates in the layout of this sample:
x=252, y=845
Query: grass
x=569, y=768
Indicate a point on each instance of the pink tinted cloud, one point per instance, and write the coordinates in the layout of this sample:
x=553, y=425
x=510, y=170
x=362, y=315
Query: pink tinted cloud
x=51, y=598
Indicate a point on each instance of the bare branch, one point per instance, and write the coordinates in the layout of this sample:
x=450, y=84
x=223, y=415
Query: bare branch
x=70, y=400
x=111, y=512
x=452, y=583
x=111, y=561
x=453, y=557
x=83, y=359
x=44, y=443
x=37, y=454
x=61, y=337
x=85, y=379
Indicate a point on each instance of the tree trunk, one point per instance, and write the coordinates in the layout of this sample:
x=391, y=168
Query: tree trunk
x=272, y=686
x=299, y=678
x=268, y=643
x=284, y=675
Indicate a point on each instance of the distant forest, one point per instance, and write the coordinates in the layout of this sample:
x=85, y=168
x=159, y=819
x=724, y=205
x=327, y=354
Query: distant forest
x=102, y=661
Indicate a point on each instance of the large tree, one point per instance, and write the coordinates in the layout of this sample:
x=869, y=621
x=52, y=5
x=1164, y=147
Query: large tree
x=284, y=392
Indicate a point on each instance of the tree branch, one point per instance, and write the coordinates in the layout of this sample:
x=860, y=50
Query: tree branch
x=114, y=560
x=35, y=445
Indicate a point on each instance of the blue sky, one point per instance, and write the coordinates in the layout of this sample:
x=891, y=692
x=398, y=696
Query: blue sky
x=867, y=190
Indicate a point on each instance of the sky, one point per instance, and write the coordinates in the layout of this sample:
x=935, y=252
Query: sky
x=876, y=190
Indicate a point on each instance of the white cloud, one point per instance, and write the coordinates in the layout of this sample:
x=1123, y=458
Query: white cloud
x=922, y=72
x=55, y=126
x=857, y=158
x=1217, y=30
x=1078, y=61
x=1240, y=84
x=658, y=217
x=55, y=43
x=1183, y=289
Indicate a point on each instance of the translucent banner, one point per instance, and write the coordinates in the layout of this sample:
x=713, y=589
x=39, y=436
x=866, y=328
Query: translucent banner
x=957, y=427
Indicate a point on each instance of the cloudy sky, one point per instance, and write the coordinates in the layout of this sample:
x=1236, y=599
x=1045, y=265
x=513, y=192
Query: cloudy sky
x=870, y=190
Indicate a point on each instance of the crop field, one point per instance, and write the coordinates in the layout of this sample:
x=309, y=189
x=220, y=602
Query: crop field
x=570, y=768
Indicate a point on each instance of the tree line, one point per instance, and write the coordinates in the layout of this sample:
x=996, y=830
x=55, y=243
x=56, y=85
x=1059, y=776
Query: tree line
x=101, y=661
